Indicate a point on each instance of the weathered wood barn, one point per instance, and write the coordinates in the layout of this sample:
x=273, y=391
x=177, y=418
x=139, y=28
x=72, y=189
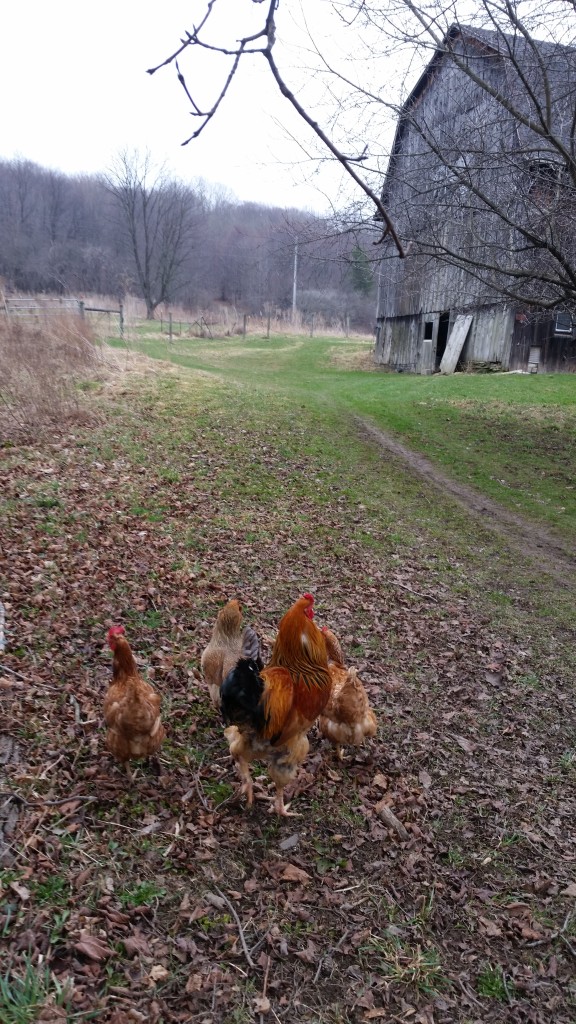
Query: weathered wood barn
x=481, y=187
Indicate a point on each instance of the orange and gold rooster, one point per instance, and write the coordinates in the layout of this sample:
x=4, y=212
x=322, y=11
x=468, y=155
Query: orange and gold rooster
x=269, y=711
x=230, y=641
x=131, y=707
x=347, y=718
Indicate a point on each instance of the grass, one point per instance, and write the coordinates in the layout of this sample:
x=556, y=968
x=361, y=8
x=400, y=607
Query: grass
x=515, y=428
x=23, y=996
x=511, y=436
x=491, y=983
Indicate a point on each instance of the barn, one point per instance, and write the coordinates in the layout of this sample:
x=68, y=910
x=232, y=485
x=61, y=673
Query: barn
x=481, y=186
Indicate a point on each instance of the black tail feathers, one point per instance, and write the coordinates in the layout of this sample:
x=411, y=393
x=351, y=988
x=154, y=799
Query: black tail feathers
x=241, y=695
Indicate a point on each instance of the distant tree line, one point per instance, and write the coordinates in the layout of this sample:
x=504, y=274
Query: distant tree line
x=136, y=230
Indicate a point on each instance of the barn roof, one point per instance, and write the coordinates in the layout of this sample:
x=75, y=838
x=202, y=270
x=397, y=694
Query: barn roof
x=539, y=61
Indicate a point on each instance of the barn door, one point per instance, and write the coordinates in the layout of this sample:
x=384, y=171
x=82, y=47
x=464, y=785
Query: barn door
x=455, y=343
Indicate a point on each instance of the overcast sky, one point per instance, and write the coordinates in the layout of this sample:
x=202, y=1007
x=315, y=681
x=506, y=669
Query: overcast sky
x=75, y=91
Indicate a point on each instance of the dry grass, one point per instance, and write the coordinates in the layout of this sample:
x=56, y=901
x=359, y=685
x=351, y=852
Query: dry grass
x=44, y=366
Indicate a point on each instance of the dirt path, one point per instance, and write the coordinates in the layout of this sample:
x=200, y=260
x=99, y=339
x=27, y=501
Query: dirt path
x=555, y=556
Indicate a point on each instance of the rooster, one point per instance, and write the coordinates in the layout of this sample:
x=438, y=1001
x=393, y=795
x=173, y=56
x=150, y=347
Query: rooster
x=131, y=707
x=269, y=711
x=347, y=718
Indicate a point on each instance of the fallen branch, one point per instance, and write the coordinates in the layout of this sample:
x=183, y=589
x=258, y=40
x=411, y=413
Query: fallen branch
x=47, y=803
x=238, y=925
x=557, y=935
x=384, y=812
x=423, y=597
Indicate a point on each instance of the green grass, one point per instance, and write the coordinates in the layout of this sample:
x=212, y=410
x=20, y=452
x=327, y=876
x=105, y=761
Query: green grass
x=491, y=983
x=305, y=394
x=511, y=436
x=141, y=894
x=23, y=995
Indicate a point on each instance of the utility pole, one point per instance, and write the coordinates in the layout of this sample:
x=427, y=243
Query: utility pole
x=294, y=280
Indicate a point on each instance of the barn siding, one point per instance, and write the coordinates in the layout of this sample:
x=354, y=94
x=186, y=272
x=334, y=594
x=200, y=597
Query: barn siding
x=401, y=344
x=423, y=201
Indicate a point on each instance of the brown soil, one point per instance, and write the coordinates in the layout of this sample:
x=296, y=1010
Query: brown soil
x=555, y=555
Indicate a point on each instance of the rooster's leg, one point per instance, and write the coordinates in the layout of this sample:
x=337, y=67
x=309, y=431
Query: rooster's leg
x=247, y=786
x=129, y=771
x=280, y=807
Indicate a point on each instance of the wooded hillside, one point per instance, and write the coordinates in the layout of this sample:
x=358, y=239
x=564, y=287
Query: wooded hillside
x=69, y=235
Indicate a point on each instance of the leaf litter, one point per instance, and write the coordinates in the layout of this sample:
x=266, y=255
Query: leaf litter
x=432, y=874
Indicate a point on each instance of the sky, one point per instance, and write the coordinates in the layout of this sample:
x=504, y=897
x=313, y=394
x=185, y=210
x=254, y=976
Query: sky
x=75, y=92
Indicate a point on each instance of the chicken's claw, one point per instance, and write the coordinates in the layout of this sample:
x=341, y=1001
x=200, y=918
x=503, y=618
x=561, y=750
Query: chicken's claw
x=279, y=807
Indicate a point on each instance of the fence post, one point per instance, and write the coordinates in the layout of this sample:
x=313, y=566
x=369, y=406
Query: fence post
x=81, y=308
x=169, y=327
x=268, y=325
x=121, y=319
x=244, y=325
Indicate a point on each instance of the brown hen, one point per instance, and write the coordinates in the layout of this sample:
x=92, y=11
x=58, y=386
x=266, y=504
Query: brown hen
x=347, y=719
x=131, y=707
x=230, y=641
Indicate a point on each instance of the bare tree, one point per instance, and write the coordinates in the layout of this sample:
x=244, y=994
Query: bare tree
x=158, y=217
x=262, y=42
x=490, y=187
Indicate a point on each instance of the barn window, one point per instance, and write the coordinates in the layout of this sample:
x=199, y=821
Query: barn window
x=544, y=180
x=563, y=325
x=428, y=330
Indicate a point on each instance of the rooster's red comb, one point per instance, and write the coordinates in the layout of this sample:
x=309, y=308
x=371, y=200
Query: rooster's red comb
x=115, y=631
x=308, y=597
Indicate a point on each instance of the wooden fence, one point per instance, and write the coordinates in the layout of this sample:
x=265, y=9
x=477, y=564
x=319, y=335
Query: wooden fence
x=32, y=310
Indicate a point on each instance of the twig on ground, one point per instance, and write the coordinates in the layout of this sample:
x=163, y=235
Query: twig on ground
x=265, y=985
x=24, y=679
x=258, y=945
x=332, y=949
x=201, y=796
x=469, y=995
x=424, y=597
x=46, y=803
x=13, y=672
x=238, y=925
x=390, y=819
x=560, y=934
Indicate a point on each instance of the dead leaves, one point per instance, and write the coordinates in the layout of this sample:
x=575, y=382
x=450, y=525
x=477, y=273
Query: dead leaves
x=465, y=744
x=93, y=947
x=287, y=872
x=445, y=837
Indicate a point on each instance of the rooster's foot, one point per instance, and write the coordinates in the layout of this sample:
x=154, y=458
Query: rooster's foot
x=279, y=807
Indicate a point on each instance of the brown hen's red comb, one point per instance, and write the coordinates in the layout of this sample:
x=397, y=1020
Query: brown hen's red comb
x=308, y=597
